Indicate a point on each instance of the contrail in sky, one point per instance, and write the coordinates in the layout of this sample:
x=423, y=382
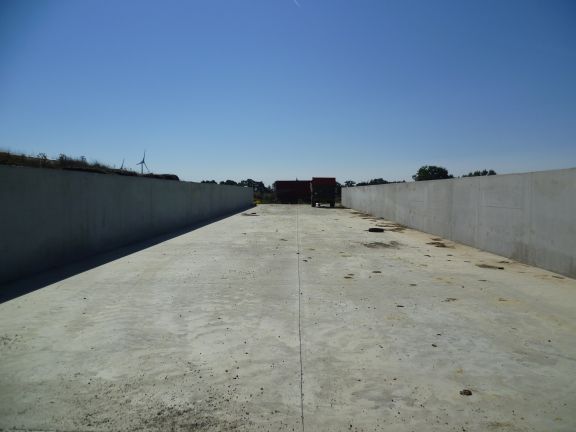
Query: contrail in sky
x=296, y=3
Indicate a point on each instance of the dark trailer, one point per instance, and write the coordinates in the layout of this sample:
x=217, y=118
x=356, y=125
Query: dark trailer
x=323, y=190
x=292, y=191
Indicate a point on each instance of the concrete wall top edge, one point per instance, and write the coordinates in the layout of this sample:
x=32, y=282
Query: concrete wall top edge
x=70, y=172
x=476, y=178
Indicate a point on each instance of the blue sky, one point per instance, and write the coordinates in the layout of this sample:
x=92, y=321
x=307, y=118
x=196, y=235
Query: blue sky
x=279, y=89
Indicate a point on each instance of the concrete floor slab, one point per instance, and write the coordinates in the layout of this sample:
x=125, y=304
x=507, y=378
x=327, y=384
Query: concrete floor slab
x=294, y=316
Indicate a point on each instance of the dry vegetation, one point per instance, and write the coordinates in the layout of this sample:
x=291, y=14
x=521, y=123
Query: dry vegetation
x=65, y=162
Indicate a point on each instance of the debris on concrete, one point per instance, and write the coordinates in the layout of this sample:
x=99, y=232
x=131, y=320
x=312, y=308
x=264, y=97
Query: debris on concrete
x=488, y=266
x=373, y=245
x=466, y=392
x=439, y=244
x=379, y=230
x=392, y=227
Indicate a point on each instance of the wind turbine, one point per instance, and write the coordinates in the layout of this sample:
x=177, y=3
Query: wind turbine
x=142, y=164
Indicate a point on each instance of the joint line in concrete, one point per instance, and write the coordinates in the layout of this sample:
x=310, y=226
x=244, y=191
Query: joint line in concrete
x=299, y=318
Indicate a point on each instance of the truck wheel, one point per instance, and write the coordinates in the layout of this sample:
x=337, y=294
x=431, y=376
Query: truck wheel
x=332, y=204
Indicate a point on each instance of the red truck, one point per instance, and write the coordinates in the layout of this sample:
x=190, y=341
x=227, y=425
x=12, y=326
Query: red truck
x=323, y=190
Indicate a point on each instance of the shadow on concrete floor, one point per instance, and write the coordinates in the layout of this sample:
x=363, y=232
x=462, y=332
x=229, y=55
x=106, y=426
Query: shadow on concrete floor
x=20, y=287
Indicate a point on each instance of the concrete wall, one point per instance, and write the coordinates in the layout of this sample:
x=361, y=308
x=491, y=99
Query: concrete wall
x=50, y=217
x=528, y=217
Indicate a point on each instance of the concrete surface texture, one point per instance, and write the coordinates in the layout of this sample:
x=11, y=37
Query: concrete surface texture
x=528, y=217
x=294, y=318
x=50, y=217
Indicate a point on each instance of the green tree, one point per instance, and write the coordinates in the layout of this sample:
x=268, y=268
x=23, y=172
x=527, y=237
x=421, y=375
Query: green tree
x=258, y=186
x=480, y=173
x=431, y=172
x=229, y=183
x=377, y=181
